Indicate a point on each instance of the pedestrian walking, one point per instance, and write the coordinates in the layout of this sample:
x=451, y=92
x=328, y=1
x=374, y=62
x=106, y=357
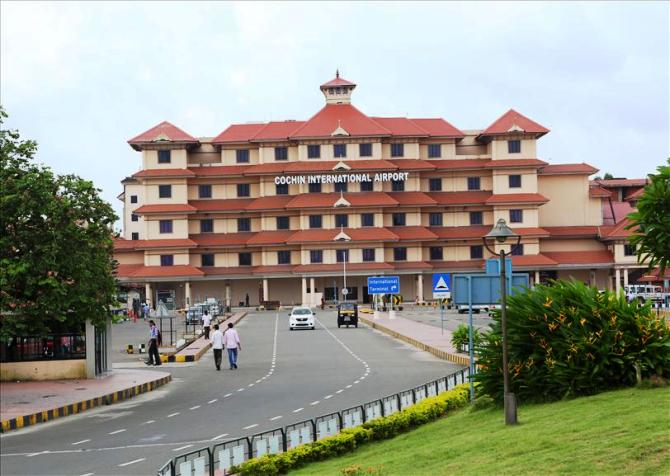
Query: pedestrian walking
x=231, y=340
x=217, y=346
x=246, y=300
x=146, y=310
x=154, y=342
x=206, y=320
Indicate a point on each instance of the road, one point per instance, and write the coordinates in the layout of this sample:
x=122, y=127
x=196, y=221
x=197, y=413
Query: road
x=283, y=377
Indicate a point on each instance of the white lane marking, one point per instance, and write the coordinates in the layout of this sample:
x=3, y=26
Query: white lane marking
x=240, y=390
x=227, y=395
x=36, y=454
x=219, y=436
x=340, y=391
x=349, y=386
x=148, y=422
x=195, y=407
x=173, y=414
x=212, y=401
x=88, y=474
x=182, y=448
x=80, y=442
x=315, y=402
x=258, y=381
x=117, y=431
x=250, y=385
x=327, y=397
x=356, y=381
x=132, y=462
x=298, y=410
x=250, y=426
x=275, y=418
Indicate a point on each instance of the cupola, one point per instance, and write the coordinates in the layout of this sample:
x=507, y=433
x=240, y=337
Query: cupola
x=338, y=90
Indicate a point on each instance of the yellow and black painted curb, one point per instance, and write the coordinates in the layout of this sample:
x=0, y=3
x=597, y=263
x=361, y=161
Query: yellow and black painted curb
x=78, y=407
x=456, y=358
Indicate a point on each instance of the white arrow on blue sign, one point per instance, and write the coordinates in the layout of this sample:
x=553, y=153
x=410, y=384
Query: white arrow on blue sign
x=441, y=285
x=384, y=285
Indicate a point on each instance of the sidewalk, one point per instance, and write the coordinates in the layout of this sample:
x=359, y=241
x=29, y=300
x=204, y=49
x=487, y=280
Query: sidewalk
x=423, y=336
x=28, y=403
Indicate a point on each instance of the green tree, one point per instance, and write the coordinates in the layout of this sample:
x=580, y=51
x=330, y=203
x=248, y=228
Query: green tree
x=56, y=249
x=608, y=176
x=652, y=221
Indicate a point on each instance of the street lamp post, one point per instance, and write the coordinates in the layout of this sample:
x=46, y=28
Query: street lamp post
x=345, y=255
x=500, y=233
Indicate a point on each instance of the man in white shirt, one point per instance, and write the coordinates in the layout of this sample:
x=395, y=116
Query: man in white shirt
x=217, y=346
x=232, y=342
x=206, y=320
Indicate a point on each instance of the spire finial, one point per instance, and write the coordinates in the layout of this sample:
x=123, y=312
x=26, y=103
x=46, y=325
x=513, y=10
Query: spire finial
x=337, y=73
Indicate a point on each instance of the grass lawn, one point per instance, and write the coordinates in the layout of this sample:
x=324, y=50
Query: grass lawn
x=621, y=432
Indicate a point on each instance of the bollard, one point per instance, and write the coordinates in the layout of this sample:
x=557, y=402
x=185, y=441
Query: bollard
x=129, y=349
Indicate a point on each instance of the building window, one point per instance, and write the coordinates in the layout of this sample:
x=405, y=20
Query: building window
x=244, y=259
x=163, y=156
x=206, y=225
x=204, y=191
x=281, y=189
x=435, y=219
x=243, y=190
x=315, y=221
x=341, y=221
x=629, y=250
x=367, y=219
x=517, y=250
x=315, y=256
x=165, y=226
x=313, y=151
x=436, y=253
x=515, y=181
x=367, y=186
x=135, y=236
x=513, y=146
x=282, y=223
x=476, y=218
x=315, y=188
x=434, y=151
x=134, y=217
x=342, y=256
x=133, y=199
x=398, y=219
x=207, y=259
x=474, y=183
x=476, y=252
x=365, y=150
x=281, y=153
x=283, y=257
x=244, y=224
x=398, y=185
x=368, y=254
x=435, y=184
x=340, y=150
x=242, y=156
x=341, y=187
x=397, y=150
x=516, y=216
x=167, y=260
x=400, y=254
x=164, y=191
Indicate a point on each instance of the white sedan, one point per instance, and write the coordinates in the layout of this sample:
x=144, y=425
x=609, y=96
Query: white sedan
x=301, y=318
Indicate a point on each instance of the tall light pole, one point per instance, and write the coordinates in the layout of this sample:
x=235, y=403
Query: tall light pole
x=500, y=233
x=342, y=236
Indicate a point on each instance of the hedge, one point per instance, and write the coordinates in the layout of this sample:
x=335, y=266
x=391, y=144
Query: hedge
x=348, y=440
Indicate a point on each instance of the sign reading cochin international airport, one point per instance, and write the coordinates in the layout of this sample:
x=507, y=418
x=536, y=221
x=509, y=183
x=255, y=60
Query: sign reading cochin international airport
x=342, y=178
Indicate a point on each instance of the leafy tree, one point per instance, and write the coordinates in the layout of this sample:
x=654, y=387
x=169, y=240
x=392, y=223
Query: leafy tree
x=608, y=176
x=652, y=221
x=56, y=250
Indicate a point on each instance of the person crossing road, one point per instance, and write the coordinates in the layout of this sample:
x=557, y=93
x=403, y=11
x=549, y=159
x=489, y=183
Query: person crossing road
x=217, y=346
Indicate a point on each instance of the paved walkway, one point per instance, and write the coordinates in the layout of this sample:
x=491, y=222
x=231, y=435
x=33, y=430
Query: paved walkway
x=28, y=403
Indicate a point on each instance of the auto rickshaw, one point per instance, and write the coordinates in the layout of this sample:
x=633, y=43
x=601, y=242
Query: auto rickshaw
x=347, y=314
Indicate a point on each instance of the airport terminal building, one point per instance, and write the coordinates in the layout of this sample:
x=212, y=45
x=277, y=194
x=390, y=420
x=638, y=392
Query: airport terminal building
x=279, y=211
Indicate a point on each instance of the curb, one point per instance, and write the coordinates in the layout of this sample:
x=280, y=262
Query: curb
x=59, y=412
x=444, y=355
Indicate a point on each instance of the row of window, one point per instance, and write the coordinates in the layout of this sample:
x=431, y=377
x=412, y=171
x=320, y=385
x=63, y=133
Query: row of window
x=316, y=256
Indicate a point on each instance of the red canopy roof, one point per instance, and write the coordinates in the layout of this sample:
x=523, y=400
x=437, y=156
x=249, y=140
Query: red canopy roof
x=344, y=116
x=512, y=120
x=561, y=169
x=165, y=208
x=164, y=132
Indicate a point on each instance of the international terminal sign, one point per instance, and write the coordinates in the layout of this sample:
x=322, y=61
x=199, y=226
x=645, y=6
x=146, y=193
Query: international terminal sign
x=342, y=178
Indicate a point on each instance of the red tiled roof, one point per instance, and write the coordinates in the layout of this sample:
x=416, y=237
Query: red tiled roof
x=171, y=243
x=127, y=270
x=223, y=205
x=166, y=271
x=509, y=120
x=276, y=202
x=337, y=267
x=412, y=164
x=460, y=232
x=346, y=116
x=222, y=271
x=413, y=233
x=411, y=198
x=620, y=210
x=164, y=173
x=438, y=127
x=165, y=208
x=207, y=240
x=478, y=197
x=277, y=130
x=656, y=275
x=270, y=237
x=220, y=170
x=238, y=133
x=337, y=82
x=163, y=132
x=580, y=257
x=327, y=200
x=121, y=244
x=619, y=230
x=532, y=260
x=635, y=195
x=515, y=163
x=599, y=192
x=560, y=169
x=516, y=198
x=572, y=231
x=370, y=234
x=621, y=182
x=277, y=268
x=401, y=126
x=459, y=164
x=530, y=231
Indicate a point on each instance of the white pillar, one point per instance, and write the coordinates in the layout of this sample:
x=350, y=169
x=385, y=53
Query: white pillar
x=90, y=349
x=312, y=284
x=305, y=300
x=187, y=293
x=419, y=287
x=266, y=291
x=149, y=295
x=625, y=276
x=617, y=280
x=537, y=278
x=228, y=294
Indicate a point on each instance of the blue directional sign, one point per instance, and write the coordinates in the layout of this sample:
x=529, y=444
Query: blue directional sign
x=384, y=285
x=441, y=285
x=485, y=288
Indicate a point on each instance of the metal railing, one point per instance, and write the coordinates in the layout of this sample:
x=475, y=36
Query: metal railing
x=52, y=347
x=218, y=460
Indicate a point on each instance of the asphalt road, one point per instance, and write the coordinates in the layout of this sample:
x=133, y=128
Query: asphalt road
x=283, y=377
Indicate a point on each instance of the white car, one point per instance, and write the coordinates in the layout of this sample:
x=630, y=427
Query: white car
x=301, y=318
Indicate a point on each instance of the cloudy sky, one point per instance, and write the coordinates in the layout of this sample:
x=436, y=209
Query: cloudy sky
x=82, y=78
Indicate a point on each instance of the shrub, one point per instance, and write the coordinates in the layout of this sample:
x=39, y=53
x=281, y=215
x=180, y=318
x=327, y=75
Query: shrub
x=461, y=337
x=568, y=339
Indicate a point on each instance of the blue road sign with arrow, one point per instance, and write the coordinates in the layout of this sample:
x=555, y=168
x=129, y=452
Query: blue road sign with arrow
x=384, y=285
